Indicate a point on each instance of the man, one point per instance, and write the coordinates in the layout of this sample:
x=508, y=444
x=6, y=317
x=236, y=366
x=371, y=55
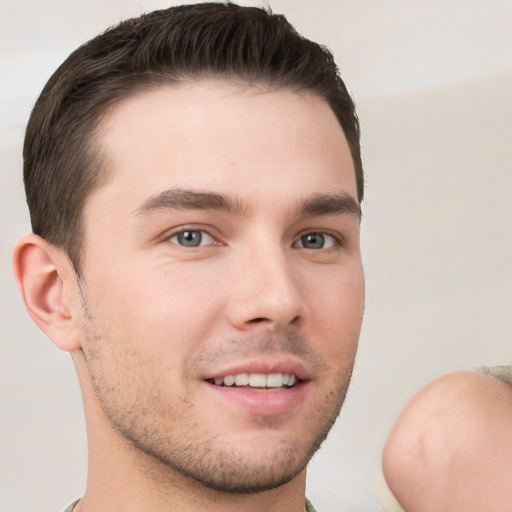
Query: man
x=194, y=180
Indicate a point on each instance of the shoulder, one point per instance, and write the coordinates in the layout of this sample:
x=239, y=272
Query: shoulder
x=453, y=444
x=309, y=506
x=71, y=506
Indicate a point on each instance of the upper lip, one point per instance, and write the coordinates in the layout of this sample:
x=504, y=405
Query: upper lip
x=262, y=365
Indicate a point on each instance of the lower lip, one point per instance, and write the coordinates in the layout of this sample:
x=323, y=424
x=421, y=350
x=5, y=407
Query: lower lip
x=263, y=402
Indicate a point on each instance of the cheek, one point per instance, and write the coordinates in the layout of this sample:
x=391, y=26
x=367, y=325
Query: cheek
x=337, y=312
x=161, y=308
x=339, y=296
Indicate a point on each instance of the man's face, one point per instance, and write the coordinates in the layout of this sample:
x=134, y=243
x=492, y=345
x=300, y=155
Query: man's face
x=224, y=247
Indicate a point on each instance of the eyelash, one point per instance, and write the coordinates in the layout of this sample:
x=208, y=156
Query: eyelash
x=334, y=240
x=183, y=232
x=322, y=235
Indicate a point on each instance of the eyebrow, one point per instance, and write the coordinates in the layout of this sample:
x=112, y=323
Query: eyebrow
x=182, y=199
x=330, y=204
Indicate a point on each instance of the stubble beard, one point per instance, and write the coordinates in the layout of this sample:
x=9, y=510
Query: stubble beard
x=173, y=442
x=225, y=470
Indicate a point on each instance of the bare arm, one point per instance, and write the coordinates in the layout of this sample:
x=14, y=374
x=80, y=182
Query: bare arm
x=451, y=448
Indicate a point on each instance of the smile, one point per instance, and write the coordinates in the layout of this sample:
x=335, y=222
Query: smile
x=257, y=380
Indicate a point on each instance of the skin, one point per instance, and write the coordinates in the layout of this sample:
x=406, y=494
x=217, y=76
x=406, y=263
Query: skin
x=450, y=449
x=152, y=321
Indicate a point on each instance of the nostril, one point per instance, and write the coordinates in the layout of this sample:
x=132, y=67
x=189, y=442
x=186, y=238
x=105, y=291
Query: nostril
x=262, y=319
x=259, y=320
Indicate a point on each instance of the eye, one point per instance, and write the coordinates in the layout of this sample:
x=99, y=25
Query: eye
x=316, y=241
x=192, y=238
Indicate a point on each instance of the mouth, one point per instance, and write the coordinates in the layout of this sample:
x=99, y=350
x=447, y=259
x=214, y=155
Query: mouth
x=257, y=381
x=261, y=386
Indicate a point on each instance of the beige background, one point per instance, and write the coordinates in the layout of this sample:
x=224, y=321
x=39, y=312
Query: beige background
x=433, y=83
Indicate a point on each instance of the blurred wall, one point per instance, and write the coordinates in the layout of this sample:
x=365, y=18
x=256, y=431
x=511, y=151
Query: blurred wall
x=433, y=83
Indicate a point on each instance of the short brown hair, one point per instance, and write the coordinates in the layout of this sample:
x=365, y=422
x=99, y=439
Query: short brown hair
x=210, y=40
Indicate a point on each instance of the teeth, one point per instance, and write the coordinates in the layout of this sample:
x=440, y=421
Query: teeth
x=257, y=380
x=229, y=380
x=242, y=379
x=274, y=380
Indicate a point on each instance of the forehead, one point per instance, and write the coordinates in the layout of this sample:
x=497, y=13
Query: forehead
x=222, y=137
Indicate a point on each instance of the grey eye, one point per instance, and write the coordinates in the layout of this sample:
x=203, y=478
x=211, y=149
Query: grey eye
x=316, y=241
x=191, y=238
x=313, y=241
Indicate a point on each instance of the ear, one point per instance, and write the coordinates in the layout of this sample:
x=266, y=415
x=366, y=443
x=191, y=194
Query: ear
x=47, y=284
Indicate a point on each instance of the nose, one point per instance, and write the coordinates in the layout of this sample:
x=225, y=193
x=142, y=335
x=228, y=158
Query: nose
x=266, y=291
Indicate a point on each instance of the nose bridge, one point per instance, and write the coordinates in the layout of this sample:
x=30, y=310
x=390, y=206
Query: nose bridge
x=267, y=289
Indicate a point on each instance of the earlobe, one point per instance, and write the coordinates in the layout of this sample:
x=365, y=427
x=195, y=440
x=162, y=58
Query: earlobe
x=43, y=275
